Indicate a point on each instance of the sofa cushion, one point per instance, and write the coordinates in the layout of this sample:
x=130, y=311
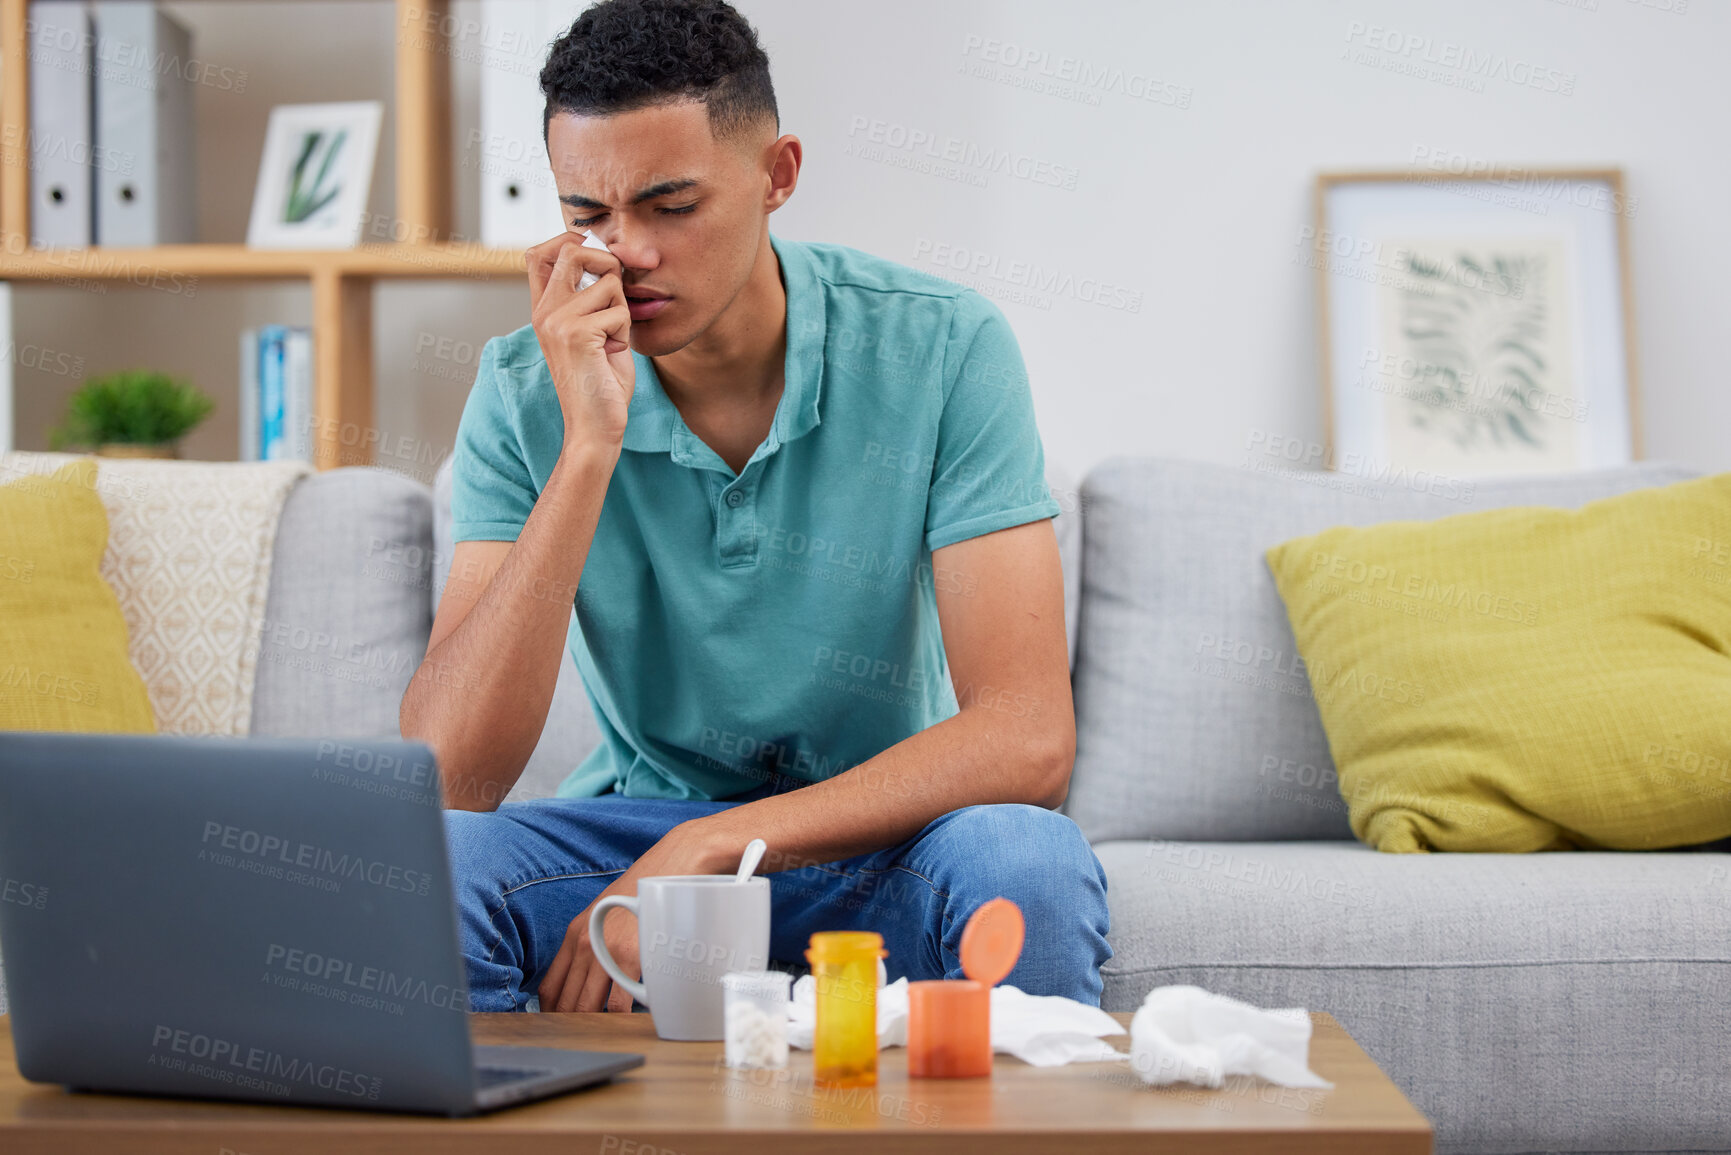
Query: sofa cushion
x=1501, y=992
x=63, y=652
x=1526, y=678
x=1193, y=717
x=188, y=556
x=346, y=620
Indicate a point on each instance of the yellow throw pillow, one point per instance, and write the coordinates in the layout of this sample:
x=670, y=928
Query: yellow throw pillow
x=1528, y=678
x=63, y=663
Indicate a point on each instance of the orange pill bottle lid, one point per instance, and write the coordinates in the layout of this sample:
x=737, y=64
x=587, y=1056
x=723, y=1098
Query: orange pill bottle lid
x=992, y=942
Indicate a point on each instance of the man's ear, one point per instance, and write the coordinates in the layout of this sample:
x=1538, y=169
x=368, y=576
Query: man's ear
x=782, y=158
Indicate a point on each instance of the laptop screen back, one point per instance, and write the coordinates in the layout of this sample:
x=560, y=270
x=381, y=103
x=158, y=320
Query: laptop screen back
x=261, y=919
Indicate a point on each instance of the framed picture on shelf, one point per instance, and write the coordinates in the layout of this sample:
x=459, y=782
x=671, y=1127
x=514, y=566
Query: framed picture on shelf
x=314, y=176
x=1475, y=325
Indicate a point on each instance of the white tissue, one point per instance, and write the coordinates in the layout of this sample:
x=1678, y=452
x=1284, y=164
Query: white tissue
x=1040, y=1030
x=1186, y=1034
x=1051, y=1030
x=590, y=241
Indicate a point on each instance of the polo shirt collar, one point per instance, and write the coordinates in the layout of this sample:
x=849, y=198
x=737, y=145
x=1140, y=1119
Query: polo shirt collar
x=653, y=424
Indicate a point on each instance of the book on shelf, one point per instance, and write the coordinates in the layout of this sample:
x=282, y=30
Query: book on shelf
x=276, y=393
x=249, y=394
x=298, y=394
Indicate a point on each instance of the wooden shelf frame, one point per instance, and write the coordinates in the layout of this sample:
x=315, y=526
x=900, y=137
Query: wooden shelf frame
x=342, y=280
x=240, y=263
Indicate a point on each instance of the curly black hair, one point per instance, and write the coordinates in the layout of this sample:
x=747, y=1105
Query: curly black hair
x=622, y=55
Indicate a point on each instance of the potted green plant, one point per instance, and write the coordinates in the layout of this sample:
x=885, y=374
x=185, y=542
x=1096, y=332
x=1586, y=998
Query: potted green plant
x=132, y=413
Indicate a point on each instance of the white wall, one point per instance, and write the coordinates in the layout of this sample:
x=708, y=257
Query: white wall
x=1199, y=208
x=1192, y=202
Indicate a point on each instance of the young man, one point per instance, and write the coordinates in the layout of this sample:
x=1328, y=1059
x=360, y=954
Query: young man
x=820, y=599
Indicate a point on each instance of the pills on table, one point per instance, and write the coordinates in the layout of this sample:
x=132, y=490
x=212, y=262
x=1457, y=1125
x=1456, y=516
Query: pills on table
x=755, y=1018
x=755, y=1039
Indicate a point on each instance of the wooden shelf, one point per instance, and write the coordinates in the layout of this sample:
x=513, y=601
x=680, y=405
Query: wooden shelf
x=342, y=280
x=238, y=262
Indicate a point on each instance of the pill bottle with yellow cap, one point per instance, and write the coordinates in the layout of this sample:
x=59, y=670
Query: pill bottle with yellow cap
x=844, y=964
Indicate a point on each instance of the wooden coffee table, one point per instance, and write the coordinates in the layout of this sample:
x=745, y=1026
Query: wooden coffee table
x=683, y=1101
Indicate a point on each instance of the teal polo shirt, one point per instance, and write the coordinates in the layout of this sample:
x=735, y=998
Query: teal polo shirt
x=782, y=619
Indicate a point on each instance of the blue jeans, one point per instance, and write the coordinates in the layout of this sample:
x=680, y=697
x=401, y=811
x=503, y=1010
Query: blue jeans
x=525, y=871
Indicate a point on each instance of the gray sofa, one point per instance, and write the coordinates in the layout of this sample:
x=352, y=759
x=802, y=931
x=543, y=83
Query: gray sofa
x=1566, y=1002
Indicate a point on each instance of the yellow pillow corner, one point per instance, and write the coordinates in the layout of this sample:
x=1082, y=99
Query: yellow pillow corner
x=1526, y=678
x=63, y=655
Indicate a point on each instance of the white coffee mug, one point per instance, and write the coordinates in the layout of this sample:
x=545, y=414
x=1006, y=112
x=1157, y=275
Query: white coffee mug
x=691, y=930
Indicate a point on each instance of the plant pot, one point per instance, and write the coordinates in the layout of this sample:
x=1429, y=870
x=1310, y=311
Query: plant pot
x=164, y=450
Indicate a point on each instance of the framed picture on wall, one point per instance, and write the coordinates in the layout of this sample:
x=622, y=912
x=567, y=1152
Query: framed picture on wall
x=1475, y=325
x=314, y=176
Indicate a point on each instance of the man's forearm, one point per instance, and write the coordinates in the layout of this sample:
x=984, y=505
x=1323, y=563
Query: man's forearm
x=480, y=697
x=969, y=759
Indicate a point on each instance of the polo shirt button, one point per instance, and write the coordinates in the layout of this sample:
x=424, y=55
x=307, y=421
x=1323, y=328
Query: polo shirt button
x=736, y=499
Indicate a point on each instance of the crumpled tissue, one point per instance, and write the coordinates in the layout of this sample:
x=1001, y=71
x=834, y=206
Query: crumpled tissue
x=1187, y=1034
x=1040, y=1030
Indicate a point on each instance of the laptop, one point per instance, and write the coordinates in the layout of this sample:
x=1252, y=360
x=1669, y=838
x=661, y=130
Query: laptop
x=259, y=919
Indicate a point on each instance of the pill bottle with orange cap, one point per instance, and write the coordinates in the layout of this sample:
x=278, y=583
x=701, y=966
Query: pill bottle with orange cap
x=844, y=964
x=950, y=1020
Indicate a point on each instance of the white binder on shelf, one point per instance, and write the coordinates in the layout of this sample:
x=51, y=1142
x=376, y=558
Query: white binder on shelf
x=144, y=111
x=298, y=393
x=248, y=408
x=62, y=164
x=519, y=203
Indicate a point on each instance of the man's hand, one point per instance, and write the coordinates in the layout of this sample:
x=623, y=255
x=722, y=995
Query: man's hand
x=576, y=981
x=585, y=336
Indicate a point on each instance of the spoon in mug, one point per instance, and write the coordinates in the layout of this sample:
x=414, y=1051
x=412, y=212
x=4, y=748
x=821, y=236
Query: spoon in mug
x=748, y=862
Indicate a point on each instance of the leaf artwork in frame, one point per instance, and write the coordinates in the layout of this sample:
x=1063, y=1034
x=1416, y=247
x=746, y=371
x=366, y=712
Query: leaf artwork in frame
x=305, y=198
x=1480, y=329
